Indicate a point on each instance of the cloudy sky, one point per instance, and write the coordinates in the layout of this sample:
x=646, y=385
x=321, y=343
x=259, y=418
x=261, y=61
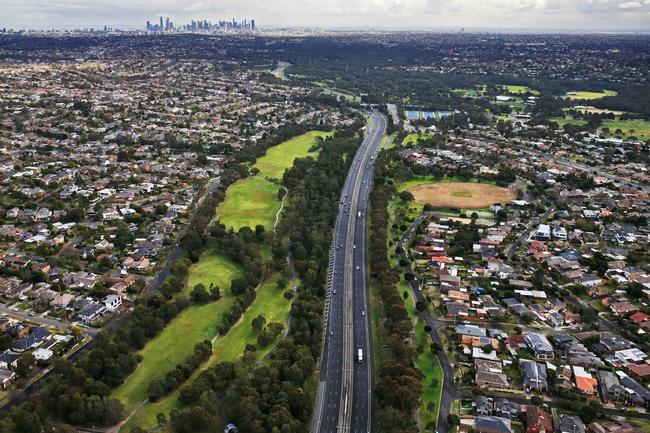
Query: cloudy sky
x=434, y=14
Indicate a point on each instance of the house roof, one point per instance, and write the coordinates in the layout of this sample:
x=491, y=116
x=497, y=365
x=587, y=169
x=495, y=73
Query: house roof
x=492, y=423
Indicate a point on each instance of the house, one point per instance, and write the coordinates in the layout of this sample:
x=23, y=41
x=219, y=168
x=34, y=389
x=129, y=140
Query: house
x=6, y=377
x=36, y=337
x=613, y=427
x=570, y=424
x=492, y=424
x=92, y=313
x=543, y=232
x=585, y=382
x=486, y=379
x=622, y=308
x=540, y=345
x=42, y=354
x=483, y=405
x=457, y=309
x=8, y=359
x=538, y=420
x=507, y=409
x=112, y=302
x=589, y=280
x=610, y=387
x=534, y=375
x=473, y=330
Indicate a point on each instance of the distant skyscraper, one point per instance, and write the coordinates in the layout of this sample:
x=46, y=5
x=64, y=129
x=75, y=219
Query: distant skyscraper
x=161, y=24
x=252, y=24
x=148, y=26
x=167, y=24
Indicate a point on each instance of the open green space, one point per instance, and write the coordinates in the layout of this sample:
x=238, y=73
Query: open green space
x=412, y=139
x=270, y=303
x=249, y=202
x=512, y=88
x=279, y=158
x=638, y=128
x=428, y=363
x=193, y=325
x=254, y=200
x=568, y=120
x=589, y=95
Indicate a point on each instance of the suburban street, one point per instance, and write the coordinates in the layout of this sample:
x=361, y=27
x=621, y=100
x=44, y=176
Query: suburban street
x=344, y=397
x=449, y=389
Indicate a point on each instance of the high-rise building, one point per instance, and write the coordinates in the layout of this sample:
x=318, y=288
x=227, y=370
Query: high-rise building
x=167, y=24
x=148, y=26
x=161, y=24
x=252, y=24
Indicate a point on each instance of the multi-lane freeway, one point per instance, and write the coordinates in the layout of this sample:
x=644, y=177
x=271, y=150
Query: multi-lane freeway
x=344, y=398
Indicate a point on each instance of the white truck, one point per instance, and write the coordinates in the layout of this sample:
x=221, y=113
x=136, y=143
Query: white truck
x=359, y=215
x=360, y=356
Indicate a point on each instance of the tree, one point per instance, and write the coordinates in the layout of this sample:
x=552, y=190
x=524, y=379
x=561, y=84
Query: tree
x=406, y=196
x=258, y=323
x=199, y=295
x=420, y=306
x=537, y=400
x=24, y=364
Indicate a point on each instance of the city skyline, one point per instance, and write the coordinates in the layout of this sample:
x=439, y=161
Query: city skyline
x=570, y=15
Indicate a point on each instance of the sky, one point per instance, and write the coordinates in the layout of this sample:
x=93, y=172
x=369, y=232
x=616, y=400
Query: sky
x=588, y=15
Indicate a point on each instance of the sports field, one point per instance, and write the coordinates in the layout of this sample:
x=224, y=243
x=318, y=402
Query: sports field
x=512, y=88
x=465, y=195
x=589, y=95
x=254, y=200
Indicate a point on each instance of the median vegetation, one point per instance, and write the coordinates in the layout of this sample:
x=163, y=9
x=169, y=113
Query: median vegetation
x=399, y=382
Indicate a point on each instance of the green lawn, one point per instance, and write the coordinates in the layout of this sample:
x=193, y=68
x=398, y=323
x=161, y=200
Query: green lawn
x=630, y=128
x=428, y=363
x=254, y=200
x=512, y=88
x=568, y=120
x=589, y=95
x=279, y=158
x=270, y=303
x=192, y=325
x=413, y=138
x=634, y=127
x=250, y=202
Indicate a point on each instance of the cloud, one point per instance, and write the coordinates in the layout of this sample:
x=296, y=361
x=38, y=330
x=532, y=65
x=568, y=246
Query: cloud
x=569, y=14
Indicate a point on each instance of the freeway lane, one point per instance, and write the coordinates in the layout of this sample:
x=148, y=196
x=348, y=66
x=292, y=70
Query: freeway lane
x=344, y=398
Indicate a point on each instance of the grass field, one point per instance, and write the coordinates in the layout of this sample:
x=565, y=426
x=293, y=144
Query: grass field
x=512, y=88
x=635, y=127
x=428, y=363
x=279, y=158
x=250, y=202
x=568, y=120
x=589, y=95
x=194, y=324
x=412, y=139
x=270, y=303
x=254, y=200
x=630, y=128
x=465, y=195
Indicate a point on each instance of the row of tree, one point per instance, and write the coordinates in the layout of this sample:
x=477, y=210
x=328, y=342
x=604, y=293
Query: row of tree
x=170, y=381
x=399, y=381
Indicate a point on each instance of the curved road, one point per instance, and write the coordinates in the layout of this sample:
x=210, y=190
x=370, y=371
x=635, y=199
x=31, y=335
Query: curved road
x=344, y=397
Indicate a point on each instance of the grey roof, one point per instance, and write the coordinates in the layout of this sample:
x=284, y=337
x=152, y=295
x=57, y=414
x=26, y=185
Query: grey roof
x=474, y=331
x=571, y=424
x=534, y=374
x=538, y=342
x=492, y=424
